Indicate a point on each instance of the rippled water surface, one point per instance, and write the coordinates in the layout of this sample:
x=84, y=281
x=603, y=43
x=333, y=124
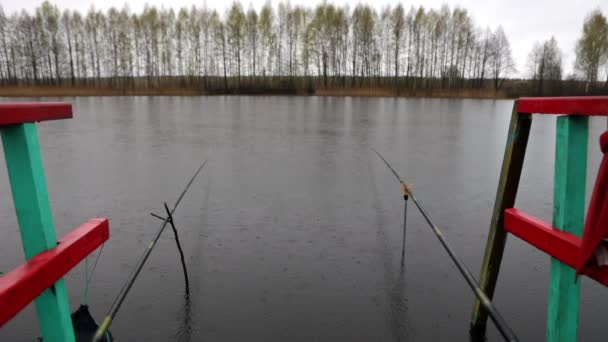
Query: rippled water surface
x=293, y=230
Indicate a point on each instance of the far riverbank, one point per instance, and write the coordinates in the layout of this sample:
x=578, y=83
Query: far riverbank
x=37, y=91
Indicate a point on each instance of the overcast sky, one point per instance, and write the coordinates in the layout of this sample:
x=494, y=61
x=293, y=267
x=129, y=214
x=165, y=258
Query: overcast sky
x=524, y=21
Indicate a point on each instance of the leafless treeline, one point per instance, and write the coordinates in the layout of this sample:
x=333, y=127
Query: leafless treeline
x=287, y=48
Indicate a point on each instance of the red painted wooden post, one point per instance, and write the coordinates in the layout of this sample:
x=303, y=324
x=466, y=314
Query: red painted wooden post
x=23, y=284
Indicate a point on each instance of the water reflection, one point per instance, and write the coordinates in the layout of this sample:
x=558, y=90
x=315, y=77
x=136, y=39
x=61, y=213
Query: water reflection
x=184, y=331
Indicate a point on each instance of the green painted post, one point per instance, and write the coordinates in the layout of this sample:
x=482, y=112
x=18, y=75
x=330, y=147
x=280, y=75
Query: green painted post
x=513, y=160
x=568, y=215
x=28, y=185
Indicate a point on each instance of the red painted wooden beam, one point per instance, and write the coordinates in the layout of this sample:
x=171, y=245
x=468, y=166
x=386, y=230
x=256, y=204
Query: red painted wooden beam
x=558, y=244
x=574, y=105
x=23, y=284
x=21, y=112
x=600, y=274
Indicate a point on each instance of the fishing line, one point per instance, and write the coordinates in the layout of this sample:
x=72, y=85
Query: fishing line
x=88, y=277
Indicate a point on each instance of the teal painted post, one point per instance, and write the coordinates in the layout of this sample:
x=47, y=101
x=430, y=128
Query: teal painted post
x=568, y=215
x=28, y=185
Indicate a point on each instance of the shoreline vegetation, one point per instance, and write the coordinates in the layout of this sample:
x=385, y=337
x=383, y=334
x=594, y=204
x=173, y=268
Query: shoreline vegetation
x=298, y=86
x=69, y=91
x=326, y=50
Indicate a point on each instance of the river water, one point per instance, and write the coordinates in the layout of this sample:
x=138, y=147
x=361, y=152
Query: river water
x=293, y=229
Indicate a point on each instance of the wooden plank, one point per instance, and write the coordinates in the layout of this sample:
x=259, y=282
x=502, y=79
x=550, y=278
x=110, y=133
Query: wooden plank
x=21, y=112
x=561, y=245
x=23, y=284
x=28, y=185
x=568, y=215
x=515, y=150
x=540, y=234
x=588, y=105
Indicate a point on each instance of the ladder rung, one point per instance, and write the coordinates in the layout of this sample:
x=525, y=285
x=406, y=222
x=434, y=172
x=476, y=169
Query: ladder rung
x=23, y=284
x=559, y=244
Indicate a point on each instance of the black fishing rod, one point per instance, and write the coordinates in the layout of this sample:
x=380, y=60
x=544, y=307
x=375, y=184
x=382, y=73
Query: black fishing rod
x=498, y=320
x=107, y=321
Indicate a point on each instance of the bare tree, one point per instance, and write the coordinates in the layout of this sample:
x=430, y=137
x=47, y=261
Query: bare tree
x=545, y=64
x=398, y=28
x=592, y=47
x=236, y=26
x=501, y=60
x=252, y=36
x=267, y=35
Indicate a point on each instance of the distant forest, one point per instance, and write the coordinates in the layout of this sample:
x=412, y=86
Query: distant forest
x=288, y=50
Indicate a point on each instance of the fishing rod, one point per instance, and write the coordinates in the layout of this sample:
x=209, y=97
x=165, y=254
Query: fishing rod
x=498, y=320
x=107, y=321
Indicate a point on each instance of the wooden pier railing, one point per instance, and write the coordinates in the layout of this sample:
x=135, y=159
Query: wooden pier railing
x=47, y=259
x=561, y=240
